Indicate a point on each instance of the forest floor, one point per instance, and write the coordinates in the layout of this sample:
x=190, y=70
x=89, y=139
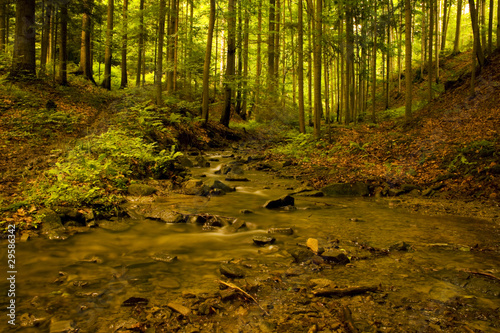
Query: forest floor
x=450, y=149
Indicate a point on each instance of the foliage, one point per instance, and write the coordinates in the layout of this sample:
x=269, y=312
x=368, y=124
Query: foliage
x=96, y=171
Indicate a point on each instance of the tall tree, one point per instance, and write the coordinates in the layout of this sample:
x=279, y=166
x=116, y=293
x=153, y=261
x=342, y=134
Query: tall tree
x=3, y=20
x=318, y=41
x=63, y=46
x=206, y=65
x=159, y=62
x=456, y=45
x=270, y=47
x=444, y=28
x=230, y=66
x=374, y=62
x=106, y=83
x=476, y=33
x=431, y=35
x=47, y=12
x=124, y=79
x=85, y=52
x=141, y=43
x=302, y=122
x=24, y=57
x=490, y=29
x=408, y=75
x=171, y=49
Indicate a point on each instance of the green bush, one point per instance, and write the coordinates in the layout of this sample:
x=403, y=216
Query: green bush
x=97, y=171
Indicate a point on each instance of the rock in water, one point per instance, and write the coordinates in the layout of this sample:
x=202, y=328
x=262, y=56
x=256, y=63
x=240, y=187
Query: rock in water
x=179, y=308
x=231, y=271
x=286, y=200
x=280, y=231
x=141, y=190
x=335, y=256
x=263, y=240
x=133, y=301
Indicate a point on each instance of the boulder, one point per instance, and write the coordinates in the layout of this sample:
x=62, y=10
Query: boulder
x=195, y=187
x=52, y=226
x=185, y=161
x=202, y=162
x=167, y=216
x=343, y=189
x=141, y=190
x=286, y=200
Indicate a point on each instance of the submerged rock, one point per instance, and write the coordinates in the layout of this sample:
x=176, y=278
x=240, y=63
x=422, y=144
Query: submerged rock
x=115, y=226
x=300, y=254
x=343, y=189
x=335, y=256
x=231, y=271
x=141, y=190
x=263, y=240
x=280, y=231
x=217, y=184
x=133, y=301
x=286, y=200
x=179, y=308
x=164, y=257
x=195, y=187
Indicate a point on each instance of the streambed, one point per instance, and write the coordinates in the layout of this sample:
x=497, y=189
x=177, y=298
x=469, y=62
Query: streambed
x=432, y=274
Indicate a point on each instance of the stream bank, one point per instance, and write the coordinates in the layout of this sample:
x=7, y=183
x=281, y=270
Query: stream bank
x=320, y=264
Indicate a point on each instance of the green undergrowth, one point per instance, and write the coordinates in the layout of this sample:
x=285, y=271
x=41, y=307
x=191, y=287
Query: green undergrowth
x=97, y=171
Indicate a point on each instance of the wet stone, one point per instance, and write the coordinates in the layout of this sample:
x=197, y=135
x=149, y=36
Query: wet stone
x=300, y=254
x=286, y=200
x=231, y=271
x=141, y=190
x=164, y=257
x=335, y=256
x=246, y=211
x=231, y=177
x=133, y=301
x=263, y=240
x=401, y=247
x=280, y=231
x=179, y=308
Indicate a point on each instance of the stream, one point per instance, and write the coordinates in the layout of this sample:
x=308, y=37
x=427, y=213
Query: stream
x=442, y=278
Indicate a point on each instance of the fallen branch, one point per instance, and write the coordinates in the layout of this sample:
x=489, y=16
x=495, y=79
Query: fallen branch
x=231, y=285
x=341, y=292
x=491, y=276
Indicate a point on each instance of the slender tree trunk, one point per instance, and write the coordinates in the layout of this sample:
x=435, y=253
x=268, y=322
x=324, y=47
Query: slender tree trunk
x=246, y=43
x=3, y=26
x=63, y=50
x=388, y=64
x=300, y=69
x=277, y=24
x=445, y=24
x=45, y=36
x=106, y=83
x=24, y=58
x=85, y=52
x=239, y=52
x=270, y=48
x=374, y=63
x=498, y=25
x=206, y=66
x=230, y=67
x=141, y=43
x=473, y=68
x=490, y=29
x=431, y=34
x=159, y=62
x=171, y=46
x=318, y=34
x=423, y=52
x=349, y=57
x=259, y=55
x=456, y=45
x=310, y=67
x=124, y=80
x=482, y=27
x=408, y=75
x=437, y=39
x=475, y=31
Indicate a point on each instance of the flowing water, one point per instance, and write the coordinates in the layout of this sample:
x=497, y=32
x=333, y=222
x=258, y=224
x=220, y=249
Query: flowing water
x=88, y=276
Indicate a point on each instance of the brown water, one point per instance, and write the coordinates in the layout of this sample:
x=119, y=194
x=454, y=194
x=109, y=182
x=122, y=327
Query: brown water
x=122, y=265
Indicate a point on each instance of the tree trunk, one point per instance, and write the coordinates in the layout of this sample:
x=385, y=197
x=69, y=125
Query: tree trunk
x=300, y=69
x=408, y=75
x=159, y=62
x=63, y=50
x=141, y=44
x=45, y=36
x=246, y=42
x=318, y=36
x=475, y=31
x=277, y=17
x=490, y=29
x=3, y=26
x=230, y=66
x=106, y=83
x=206, y=66
x=270, y=48
x=259, y=54
x=24, y=57
x=445, y=24
x=483, y=23
x=310, y=67
x=85, y=52
x=431, y=35
x=374, y=63
x=456, y=45
x=423, y=54
x=239, y=51
x=388, y=64
x=349, y=57
x=124, y=80
x=173, y=13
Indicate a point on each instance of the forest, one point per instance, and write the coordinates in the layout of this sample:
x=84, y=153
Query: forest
x=250, y=166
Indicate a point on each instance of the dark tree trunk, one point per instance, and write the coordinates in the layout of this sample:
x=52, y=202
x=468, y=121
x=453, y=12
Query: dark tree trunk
x=45, y=38
x=106, y=83
x=206, y=66
x=124, y=77
x=63, y=49
x=141, y=44
x=85, y=53
x=24, y=57
x=230, y=67
x=159, y=62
